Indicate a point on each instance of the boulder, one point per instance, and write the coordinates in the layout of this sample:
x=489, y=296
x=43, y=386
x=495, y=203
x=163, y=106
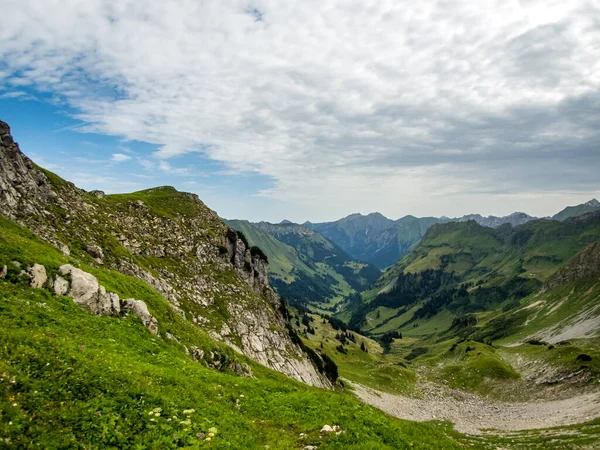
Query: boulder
x=38, y=276
x=98, y=194
x=3, y=272
x=326, y=429
x=140, y=309
x=84, y=286
x=241, y=369
x=61, y=286
x=96, y=253
x=87, y=293
x=108, y=302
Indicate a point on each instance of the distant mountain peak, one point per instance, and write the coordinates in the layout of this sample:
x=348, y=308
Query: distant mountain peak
x=593, y=202
x=286, y=222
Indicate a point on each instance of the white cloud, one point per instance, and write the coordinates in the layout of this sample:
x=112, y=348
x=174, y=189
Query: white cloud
x=393, y=105
x=120, y=157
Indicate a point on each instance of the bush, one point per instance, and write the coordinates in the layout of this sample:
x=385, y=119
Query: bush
x=242, y=238
x=341, y=349
x=416, y=352
x=584, y=358
x=256, y=251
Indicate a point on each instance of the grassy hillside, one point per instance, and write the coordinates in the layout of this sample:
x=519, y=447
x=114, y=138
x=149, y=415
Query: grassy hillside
x=306, y=268
x=461, y=268
x=573, y=211
x=71, y=379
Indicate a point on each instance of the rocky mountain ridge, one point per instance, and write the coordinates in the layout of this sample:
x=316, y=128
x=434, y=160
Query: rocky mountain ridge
x=307, y=269
x=168, y=239
x=382, y=241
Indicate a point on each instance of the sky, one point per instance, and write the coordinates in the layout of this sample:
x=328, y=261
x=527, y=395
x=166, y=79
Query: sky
x=312, y=110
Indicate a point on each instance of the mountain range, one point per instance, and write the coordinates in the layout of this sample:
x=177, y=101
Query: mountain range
x=305, y=267
x=381, y=241
x=143, y=320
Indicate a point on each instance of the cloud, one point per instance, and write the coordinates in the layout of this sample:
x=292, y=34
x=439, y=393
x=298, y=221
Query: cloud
x=398, y=106
x=120, y=157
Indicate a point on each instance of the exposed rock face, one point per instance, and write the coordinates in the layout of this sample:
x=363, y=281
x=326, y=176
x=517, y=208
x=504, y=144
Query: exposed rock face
x=166, y=238
x=38, y=276
x=60, y=285
x=140, y=309
x=515, y=219
x=583, y=265
x=87, y=293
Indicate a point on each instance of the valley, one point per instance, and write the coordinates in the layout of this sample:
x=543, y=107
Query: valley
x=144, y=320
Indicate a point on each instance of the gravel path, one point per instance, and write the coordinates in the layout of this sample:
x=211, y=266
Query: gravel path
x=471, y=414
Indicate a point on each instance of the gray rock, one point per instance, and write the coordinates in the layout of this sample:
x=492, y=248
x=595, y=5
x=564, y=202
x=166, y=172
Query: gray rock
x=98, y=194
x=197, y=354
x=3, y=272
x=84, y=286
x=38, y=276
x=87, y=293
x=108, y=302
x=96, y=252
x=140, y=309
x=61, y=286
x=241, y=369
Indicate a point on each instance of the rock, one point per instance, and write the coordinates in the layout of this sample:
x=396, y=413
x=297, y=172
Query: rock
x=326, y=429
x=108, y=302
x=310, y=447
x=241, y=369
x=3, y=272
x=87, y=293
x=84, y=286
x=61, y=286
x=197, y=354
x=96, y=252
x=98, y=194
x=140, y=309
x=38, y=276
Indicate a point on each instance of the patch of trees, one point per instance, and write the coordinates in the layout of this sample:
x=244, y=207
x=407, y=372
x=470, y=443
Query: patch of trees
x=387, y=339
x=256, y=251
x=345, y=337
x=322, y=362
x=242, y=237
x=416, y=352
x=340, y=348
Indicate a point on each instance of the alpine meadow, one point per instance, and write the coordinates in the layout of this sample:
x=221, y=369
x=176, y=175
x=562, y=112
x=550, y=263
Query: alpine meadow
x=304, y=225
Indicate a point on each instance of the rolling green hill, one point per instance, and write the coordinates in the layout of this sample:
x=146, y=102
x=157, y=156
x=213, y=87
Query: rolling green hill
x=73, y=379
x=306, y=268
x=461, y=268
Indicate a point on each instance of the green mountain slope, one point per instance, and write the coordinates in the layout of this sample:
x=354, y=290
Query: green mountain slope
x=168, y=239
x=461, y=268
x=306, y=268
x=73, y=379
x=574, y=211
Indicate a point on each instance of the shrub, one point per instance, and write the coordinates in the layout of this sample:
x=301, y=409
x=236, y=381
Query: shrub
x=416, y=352
x=584, y=358
x=256, y=251
x=242, y=238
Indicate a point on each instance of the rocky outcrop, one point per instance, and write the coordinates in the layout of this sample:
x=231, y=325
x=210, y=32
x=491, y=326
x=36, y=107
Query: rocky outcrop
x=87, y=293
x=168, y=239
x=140, y=309
x=37, y=275
x=85, y=290
x=585, y=264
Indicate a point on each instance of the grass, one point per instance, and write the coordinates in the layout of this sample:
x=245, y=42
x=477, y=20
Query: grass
x=370, y=368
x=164, y=201
x=72, y=379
